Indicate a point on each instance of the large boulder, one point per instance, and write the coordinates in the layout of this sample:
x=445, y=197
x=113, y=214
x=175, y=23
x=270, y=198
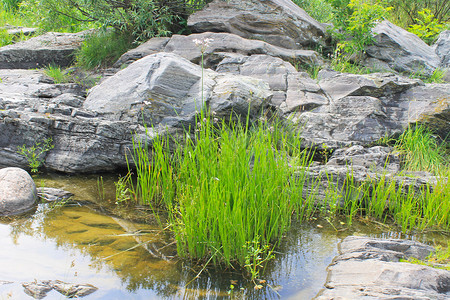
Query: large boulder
x=171, y=91
x=17, y=191
x=401, y=51
x=51, y=48
x=277, y=22
x=369, y=268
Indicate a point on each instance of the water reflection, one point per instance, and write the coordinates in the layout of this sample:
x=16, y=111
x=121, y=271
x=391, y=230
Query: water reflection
x=135, y=259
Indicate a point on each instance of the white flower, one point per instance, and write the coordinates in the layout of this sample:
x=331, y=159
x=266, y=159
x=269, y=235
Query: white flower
x=203, y=44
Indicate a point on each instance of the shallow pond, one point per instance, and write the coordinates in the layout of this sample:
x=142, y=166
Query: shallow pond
x=83, y=242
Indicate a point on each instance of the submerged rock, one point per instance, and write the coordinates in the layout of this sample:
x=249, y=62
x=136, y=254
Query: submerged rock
x=73, y=290
x=53, y=194
x=17, y=191
x=37, y=289
x=369, y=268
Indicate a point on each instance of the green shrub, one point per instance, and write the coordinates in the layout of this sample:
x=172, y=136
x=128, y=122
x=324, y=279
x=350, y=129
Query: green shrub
x=5, y=38
x=10, y=5
x=407, y=11
x=427, y=27
x=102, y=49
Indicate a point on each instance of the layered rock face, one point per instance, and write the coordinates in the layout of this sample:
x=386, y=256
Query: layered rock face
x=277, y=22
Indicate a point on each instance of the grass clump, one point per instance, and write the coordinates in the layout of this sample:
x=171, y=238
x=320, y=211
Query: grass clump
x=421, y=151
x=102, y=48
x=230, y=191
x=58, y=75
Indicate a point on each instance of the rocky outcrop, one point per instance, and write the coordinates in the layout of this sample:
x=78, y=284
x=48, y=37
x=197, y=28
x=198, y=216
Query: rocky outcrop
x=278, y=22
x=369, y=268
x=17, y=191
x=51, y=48
x=52, y=194
x=399, y=50
x=219, y=45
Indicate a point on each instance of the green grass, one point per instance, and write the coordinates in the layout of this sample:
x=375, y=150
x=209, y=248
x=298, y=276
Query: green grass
x=224, y=188
x=58, y=75
x=230, y=192
x=102, y=49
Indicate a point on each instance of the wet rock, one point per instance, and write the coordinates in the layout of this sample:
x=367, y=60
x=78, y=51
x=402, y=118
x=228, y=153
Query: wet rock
x=73, y=290
x=278, y=22
x=402, y=51
x=50, y=48
x=37, y=289
x=369, y=268
x=53, y=194
x=17, y=191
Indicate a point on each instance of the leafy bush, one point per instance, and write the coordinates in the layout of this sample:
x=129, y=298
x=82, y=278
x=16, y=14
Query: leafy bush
x=355, y=31
x=427, y=27
x=10, y=5
x=141, y=19
x=407, y=11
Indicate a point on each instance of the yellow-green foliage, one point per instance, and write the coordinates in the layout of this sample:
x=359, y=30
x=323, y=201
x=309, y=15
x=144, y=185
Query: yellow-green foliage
x=427, y=27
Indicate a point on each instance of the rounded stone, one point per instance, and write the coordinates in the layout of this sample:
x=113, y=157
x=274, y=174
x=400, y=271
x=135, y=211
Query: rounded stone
x=17, y=191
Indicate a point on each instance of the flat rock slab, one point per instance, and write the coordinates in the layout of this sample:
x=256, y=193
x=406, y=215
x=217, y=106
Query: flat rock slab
x=369, y=268
x=278, y=22
x=51, y=48
x=17, y=191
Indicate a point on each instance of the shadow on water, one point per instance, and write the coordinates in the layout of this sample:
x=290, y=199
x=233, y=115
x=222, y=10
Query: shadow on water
x=98, y=243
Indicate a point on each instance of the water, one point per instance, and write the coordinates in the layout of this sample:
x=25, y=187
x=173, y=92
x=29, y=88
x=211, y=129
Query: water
x=95, y=244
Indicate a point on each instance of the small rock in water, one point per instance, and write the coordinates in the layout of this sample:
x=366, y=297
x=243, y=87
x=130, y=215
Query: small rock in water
x=73, y=290
x=52, y=194
x=37, y=289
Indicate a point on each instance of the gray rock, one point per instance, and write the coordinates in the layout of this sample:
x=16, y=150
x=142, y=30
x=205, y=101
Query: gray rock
x=50, y=48
x=37, y=289
x=73, y=290
x=368, y=268
x=53, y=194
x=171, y=90
x=19, y=30
x=362, y=109
x=375, y=159
x=277, y=22
x=402, y=51
x=442, y=48
x=220, y=46
x=152, y=46
x=428, y=105
x=17, y=191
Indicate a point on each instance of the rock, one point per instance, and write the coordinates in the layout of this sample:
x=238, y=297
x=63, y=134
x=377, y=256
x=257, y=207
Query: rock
x=171, y=91
x=37, y=289
x=442, y=48
x=364, y=165
x=53, y=194
x=362, y=109
x=37, y=52
x=72, y=290
x=402, y=51
x=152, y=46
x=17, y=191
x=220, y=45
x=375, y=159
x=369, y=268
x=19, y=30
x=428, y=105
x=277, y=22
